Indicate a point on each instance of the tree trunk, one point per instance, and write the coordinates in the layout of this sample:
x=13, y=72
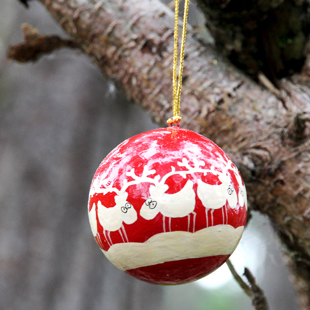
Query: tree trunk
x=266, y=135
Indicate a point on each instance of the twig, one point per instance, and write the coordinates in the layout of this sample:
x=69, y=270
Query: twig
x=268, y=84
x=35, y=45
x=243, y=285
x=271, y=87
x=259, y=300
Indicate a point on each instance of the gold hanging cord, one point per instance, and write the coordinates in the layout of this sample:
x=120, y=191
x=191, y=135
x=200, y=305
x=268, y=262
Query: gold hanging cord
x=177, y=79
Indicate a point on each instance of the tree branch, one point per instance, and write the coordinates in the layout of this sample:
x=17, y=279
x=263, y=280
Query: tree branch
x=258, y=298
x=131, y=41
x=35, y=45
x=257, y=295
x=242, y=284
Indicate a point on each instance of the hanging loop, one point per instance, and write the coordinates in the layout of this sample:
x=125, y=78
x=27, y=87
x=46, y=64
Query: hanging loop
x=174, y=120
x=177, y=78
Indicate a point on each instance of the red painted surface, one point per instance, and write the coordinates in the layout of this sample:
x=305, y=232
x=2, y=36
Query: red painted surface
x=182, y=271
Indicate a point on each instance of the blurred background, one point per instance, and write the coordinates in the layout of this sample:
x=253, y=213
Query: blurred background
x=59, y=118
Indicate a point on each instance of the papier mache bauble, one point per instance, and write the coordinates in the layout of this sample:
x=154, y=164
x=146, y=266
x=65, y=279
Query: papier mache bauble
x=167, y=206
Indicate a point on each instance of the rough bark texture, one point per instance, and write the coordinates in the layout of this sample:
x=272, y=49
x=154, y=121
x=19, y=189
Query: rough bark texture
x=131, y=42
x=260, y=35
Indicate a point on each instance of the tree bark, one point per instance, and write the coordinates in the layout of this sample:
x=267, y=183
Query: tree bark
x=267, y=136
x=265, y=35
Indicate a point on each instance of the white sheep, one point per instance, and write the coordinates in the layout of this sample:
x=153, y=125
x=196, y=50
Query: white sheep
x=175, y=205
x=112, y=219
x=215, y=196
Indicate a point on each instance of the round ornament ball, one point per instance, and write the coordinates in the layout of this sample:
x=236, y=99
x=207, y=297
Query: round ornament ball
x=167, y=206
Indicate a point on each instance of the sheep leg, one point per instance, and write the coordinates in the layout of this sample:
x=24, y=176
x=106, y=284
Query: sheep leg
x=226, y=214
x=212, y=218
x=194, y=220
x=121, y=234
x=124, y=232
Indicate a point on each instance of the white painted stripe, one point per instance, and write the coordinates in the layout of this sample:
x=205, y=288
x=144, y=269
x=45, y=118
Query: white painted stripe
x=176, y=245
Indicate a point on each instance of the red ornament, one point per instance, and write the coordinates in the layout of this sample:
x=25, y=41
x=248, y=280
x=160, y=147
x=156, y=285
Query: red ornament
x=167, y=206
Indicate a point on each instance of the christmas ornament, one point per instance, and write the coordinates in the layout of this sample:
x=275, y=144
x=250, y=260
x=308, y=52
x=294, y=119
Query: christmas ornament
x=168, y=206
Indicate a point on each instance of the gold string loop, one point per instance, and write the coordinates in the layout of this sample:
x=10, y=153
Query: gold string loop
x=177, y=78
